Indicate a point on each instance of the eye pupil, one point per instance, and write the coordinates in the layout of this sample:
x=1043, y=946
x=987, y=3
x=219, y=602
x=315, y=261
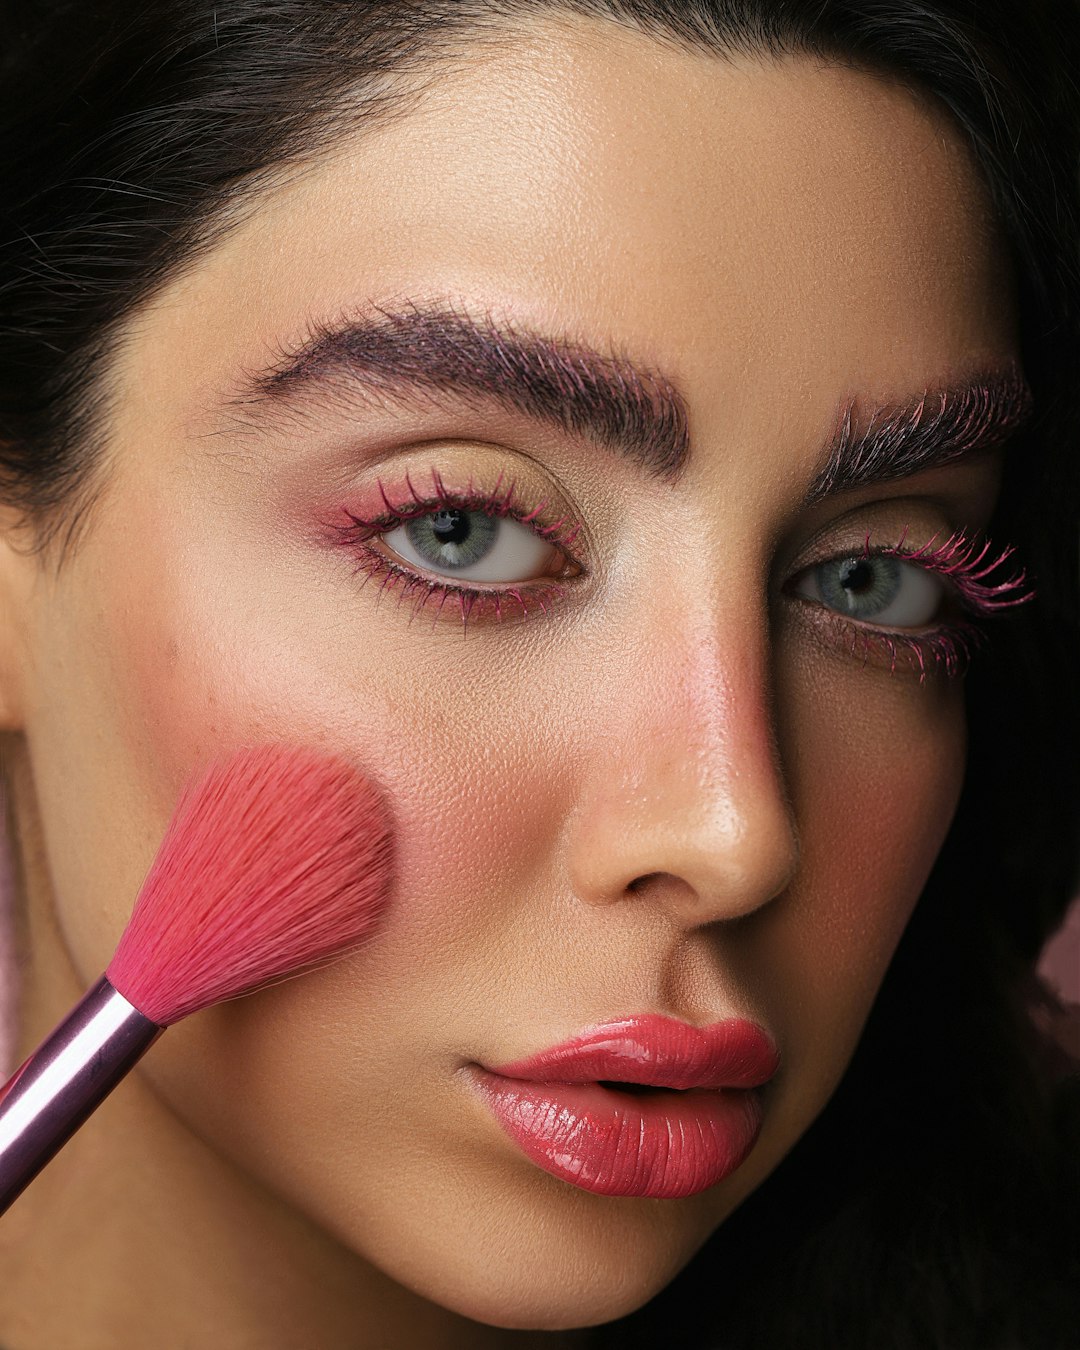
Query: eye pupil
x=454, y=538
x=856, y=574
x=861, y=587
x=451, y=527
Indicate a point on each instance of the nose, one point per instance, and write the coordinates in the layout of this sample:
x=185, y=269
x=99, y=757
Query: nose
x=682, y=798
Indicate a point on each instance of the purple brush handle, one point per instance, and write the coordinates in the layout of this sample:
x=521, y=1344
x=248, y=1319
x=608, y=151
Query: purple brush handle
x=70, y=1073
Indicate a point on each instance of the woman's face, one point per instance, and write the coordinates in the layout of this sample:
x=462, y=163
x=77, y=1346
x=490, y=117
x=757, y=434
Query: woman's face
x=670, y=776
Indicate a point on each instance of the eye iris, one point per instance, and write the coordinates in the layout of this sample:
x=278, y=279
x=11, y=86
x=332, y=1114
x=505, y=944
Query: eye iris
x=450, y=538
x=861, y=587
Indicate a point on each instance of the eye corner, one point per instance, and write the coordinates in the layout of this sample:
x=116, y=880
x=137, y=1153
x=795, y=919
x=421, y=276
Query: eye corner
x=803, y=583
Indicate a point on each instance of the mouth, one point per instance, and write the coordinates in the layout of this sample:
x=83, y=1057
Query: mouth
x=647, y=1106
x=650, y=1051
x=628, y=1139
x=637, y=1089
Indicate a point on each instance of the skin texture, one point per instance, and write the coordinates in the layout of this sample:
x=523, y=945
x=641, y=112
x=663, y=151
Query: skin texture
x=308, y=1166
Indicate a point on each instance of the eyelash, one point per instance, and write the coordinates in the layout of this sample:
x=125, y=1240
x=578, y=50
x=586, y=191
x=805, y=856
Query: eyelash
x=473, y=601
x=948, y=646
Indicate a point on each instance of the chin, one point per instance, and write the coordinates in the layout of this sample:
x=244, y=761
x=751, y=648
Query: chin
x=561, y=1276
x=535, y=1305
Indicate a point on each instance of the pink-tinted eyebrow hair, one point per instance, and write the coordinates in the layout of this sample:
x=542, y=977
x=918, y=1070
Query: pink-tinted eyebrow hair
x=414, y=352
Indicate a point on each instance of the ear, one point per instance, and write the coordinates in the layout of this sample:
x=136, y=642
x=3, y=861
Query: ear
x=19, y=565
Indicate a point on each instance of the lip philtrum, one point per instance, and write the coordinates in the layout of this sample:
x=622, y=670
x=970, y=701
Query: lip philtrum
x=567, y=1111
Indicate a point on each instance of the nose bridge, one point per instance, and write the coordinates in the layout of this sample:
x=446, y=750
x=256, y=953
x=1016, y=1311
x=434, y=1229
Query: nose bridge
x=685, y=793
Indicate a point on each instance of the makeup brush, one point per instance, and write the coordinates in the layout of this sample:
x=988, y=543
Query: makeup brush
x=276, y=861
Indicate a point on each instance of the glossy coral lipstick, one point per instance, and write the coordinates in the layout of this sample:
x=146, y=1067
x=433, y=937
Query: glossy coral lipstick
x=645, y=1106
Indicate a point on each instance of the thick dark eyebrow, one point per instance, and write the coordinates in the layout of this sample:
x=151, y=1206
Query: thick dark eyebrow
x=940, y=427
x=414, y=352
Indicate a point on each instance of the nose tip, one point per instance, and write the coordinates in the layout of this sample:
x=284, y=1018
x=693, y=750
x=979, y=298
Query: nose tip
x=702, y=866
x=685, y=803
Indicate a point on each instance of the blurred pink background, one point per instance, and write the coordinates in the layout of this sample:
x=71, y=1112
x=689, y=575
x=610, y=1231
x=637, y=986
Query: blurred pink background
x=1059, y=967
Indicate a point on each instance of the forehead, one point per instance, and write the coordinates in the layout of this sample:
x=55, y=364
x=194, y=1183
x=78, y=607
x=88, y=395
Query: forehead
x=738, y=223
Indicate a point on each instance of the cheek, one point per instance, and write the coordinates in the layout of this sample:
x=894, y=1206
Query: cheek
x=211, y=643
x=878, y=765
x=196, y=640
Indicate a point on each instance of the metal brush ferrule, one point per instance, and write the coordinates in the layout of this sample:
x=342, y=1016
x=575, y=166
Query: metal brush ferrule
x=77, y=1065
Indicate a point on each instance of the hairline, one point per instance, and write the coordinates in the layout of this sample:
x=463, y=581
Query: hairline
x=357, y=108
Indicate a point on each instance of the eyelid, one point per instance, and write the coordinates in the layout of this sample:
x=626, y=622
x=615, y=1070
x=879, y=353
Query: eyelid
x=963, y=561
x=562, y=531
x=950, y=643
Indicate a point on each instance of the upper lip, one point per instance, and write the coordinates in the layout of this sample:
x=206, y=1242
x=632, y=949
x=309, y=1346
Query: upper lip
x=656, y=1051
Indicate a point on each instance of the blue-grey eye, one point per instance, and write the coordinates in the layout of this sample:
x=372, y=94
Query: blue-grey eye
x=472, y=545
x=880, y=589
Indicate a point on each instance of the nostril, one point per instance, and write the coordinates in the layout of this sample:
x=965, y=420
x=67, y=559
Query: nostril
x=638, y=882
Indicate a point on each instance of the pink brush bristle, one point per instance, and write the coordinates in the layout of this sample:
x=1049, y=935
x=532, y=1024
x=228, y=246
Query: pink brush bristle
x=276, y=861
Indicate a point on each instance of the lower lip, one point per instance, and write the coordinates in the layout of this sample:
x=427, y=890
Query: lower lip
x=662, y=1145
